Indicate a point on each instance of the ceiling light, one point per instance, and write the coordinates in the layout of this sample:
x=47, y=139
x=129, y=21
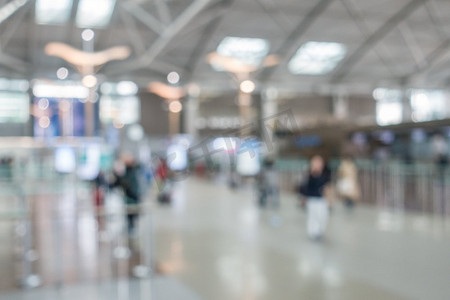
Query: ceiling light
x=42, y=89
x=96, y=13
x=87, y=35
x=127, y=88
x=173, y=77
x=247, y=86
x=316, y=58
x=89, y=81
x=53, y=12
x=175, y=106
x=249, y=50
x=44, y=122
x=62, y=73
x=81, y=58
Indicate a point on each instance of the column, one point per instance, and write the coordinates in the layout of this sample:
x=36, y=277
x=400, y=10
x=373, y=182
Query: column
x=340, y=105
x=190, y=115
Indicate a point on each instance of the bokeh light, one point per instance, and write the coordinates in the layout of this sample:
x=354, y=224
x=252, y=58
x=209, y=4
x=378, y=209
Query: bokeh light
x=175, y=106
x=247, y=86
x=62, y=73
x=173, y=77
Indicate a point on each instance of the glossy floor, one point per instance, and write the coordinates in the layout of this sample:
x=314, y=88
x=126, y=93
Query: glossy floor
x=214, y=243
x=220, y=244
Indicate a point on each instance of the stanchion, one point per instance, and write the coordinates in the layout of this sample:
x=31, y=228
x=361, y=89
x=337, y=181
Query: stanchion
x=144, y=268
x=29, y=279
x=122, y=254
x=447, y=193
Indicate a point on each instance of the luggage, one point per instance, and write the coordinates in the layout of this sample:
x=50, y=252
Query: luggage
x=165, y=196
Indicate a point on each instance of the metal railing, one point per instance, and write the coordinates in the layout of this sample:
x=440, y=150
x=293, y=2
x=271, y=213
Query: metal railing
x=420, y=187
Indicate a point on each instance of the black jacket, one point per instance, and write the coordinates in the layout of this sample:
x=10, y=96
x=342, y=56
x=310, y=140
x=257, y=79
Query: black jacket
x=314, y=185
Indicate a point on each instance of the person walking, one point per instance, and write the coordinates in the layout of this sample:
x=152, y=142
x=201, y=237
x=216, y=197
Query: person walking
x=347, y=184
x=268, y=185
x=129, y=182
x=316, y=205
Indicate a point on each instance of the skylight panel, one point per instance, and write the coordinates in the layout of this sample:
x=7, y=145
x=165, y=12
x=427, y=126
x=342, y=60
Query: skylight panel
x=317, y=58
x=249, y=50
x=94, y=13
x=53, y=12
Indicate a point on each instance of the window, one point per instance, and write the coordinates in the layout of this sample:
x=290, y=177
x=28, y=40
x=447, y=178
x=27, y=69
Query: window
x=316, y=58
x=94, y=13
x=428, y=105
x=53, y=12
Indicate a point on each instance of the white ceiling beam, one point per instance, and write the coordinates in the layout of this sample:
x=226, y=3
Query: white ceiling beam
x=13, y=26
x=276, y=14
x=164, y=39
x=432, y=12
x=143, y=16
x=11, y=8
x=206, y=18
x=357, y=16
x=197, y=54
x=290, y=44
x=351, y=60
x=428, y=63
x=163, y=11
x=133, y=35
x=411, y=42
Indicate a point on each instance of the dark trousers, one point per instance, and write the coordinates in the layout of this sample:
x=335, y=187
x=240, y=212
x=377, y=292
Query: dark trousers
x=131, y=221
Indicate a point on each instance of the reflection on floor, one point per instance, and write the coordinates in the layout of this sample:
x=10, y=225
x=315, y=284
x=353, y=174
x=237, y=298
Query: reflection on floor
x=214, y=243
x=220, y=244
x=158, y=288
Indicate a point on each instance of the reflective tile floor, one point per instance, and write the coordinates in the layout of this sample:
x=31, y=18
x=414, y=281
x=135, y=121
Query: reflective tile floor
x=213, y=243
x=220, y=244
x=158, y=288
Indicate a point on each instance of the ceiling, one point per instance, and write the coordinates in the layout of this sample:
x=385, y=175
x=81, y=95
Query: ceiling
x=401, y=43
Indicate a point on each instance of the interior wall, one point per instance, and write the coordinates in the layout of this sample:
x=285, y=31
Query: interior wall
x=362, y=109
x=13, y=129
x=154, y=117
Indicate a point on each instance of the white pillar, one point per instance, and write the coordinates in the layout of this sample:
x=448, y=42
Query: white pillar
x=269, y=109
x=340, y=105
x=406, y=107
x=190, y=115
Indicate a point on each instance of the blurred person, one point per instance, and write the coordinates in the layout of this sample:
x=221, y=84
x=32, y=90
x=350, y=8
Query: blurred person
x=439, y=149
x=268, y=184
x=316, y=205
x=234, y=179
x=162, y=176
x=100, y=186
x=347, y=184
x=6, y=172
x=127, y=178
